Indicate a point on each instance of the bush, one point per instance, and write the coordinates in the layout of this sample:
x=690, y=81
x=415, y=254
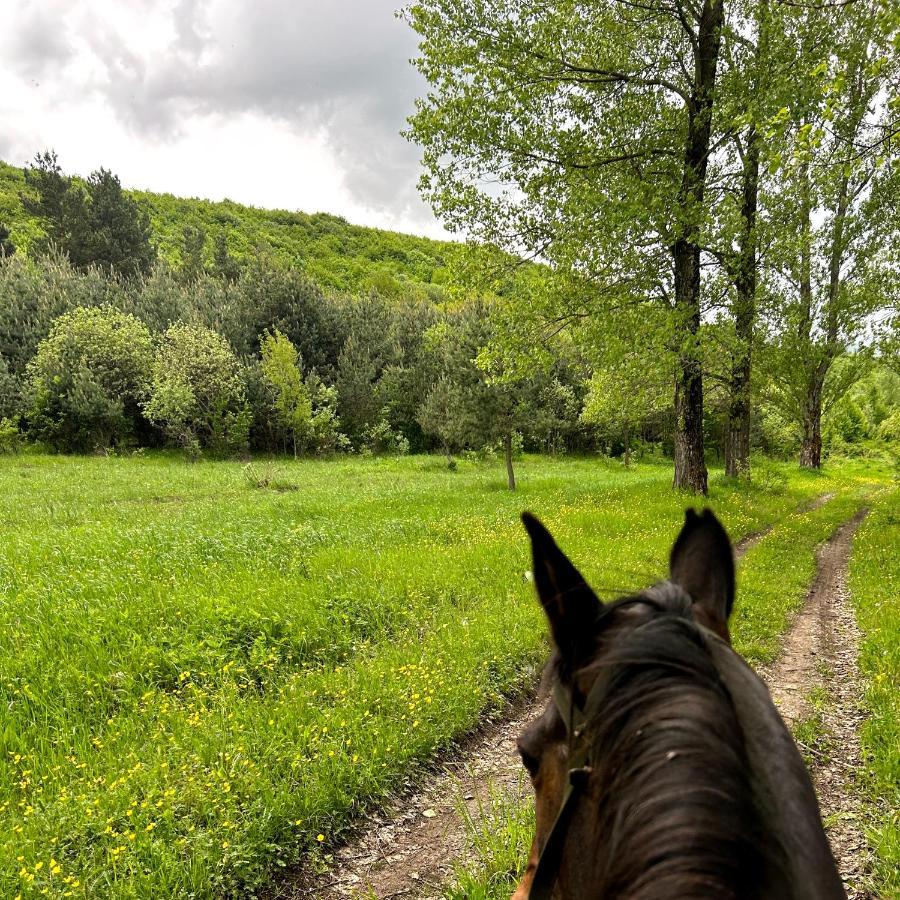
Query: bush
x=381, y=438
x=10, y=392
x=198, y=393
x=88, y=379
x=10, y=437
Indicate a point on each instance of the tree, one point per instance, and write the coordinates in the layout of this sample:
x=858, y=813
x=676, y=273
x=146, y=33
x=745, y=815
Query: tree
x=7, y=247
x=88, y=379
x=834, y=206
x=753, y=82
x=581, y=133
x=281, y=368
x=197, y=391
x=475, y=400
x=119, y=230
x=193, y=244
x=45, y=195
x=266, y=296
x=623, y=397
x=35, y=292
x=94, y=223
x=224, y=264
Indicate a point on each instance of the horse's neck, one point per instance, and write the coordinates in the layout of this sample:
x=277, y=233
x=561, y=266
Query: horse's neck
x=674, y=813
x=782, y=783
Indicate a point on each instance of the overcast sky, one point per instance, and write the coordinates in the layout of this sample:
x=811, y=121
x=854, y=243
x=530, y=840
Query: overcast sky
x=293, y=104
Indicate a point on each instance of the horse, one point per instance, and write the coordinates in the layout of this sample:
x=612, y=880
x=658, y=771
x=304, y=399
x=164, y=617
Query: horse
x=660, y=765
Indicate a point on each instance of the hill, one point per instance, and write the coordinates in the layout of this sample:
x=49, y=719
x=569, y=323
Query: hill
x=334, y=252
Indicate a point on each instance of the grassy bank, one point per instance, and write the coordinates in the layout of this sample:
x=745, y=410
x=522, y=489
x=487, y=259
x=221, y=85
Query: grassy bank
x=204, y=681
x=875, y=587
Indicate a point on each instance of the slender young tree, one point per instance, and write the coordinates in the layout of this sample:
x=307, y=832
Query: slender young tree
x=834, y=204
x=281, y=368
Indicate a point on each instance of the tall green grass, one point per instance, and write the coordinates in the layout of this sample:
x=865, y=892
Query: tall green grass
x=203, y=682
x=875, y=587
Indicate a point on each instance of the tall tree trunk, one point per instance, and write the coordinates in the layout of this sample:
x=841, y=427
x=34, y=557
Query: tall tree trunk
x=507, y=452
x=737, y=438
x=811, y=446
x=811, y=443
x=690, y=465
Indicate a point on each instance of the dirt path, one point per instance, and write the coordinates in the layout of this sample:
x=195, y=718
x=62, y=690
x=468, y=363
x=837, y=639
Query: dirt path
x=411, y=847
x=816, y=682
x=409, y=850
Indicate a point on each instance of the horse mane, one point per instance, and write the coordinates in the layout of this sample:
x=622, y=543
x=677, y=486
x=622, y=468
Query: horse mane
x=676, y=814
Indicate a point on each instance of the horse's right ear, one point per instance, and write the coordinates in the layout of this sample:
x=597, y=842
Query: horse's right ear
x=571, y=606
x=702, y=563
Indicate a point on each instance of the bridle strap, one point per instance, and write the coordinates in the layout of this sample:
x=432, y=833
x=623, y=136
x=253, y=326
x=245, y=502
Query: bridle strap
x=551, y=856
x=548, y=866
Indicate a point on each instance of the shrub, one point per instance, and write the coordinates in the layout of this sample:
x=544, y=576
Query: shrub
x=88, y=379
x=198, y=393
x=381, y=438
x=10, y=437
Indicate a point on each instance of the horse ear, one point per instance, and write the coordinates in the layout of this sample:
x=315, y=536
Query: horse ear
x=571, y=606
x=702, y=562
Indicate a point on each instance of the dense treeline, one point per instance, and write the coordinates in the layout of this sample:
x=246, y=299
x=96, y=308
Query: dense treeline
x=105, y=345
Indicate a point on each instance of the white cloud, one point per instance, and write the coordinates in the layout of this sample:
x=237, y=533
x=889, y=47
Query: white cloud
x=275, y=103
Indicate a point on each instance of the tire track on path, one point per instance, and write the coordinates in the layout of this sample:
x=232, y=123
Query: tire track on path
x=819, y=651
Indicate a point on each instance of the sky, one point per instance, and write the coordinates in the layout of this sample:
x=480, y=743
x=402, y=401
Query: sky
x=290, y=104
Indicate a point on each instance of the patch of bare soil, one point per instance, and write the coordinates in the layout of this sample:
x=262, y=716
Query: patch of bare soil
x=820, y=652
x=819, y=502
x=410, y=848
x=750, y=540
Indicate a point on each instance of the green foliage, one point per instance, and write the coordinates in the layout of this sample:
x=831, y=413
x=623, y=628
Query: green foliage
x=7, y=247
x=293, y=405
x=624, y=400
x=33, y=293
x=477, y=399
x=94, y=223
x=193, y=242
x=10, y=436
x=865, y=416
x=380, y=438
x=831, y=197
x=10, y=393
x=198, y=391
x=88, y=379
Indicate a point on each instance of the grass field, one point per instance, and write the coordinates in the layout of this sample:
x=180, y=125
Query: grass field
x=202, y=681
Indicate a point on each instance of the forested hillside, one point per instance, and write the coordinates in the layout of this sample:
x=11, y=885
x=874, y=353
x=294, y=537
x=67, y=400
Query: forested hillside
x=327, y=248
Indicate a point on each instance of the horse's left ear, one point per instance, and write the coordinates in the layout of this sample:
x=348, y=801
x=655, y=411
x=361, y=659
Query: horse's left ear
x=702, y=562
x=571, y=606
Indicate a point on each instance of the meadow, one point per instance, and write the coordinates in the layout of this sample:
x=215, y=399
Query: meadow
x=204, y=680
